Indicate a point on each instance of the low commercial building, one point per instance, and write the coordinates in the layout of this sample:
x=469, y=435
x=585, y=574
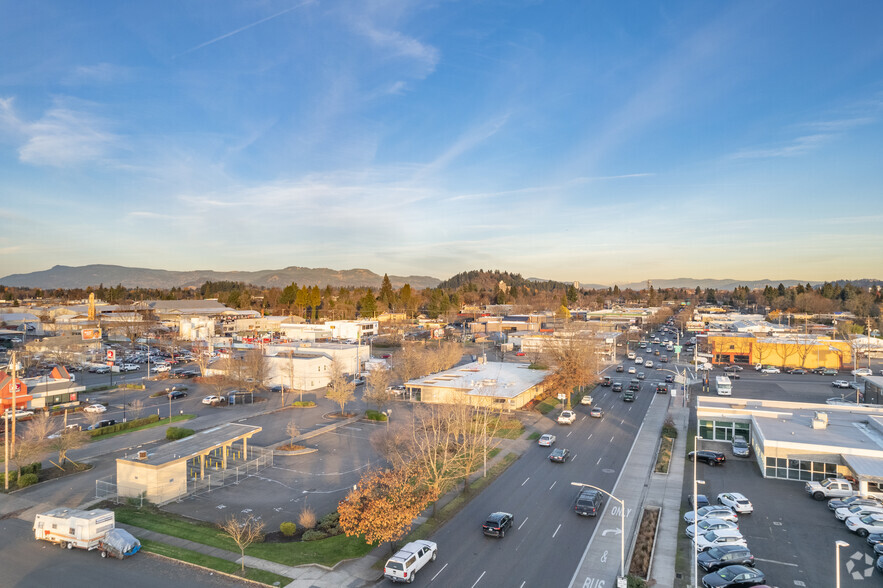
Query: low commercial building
x=56, y=390
x=178, y=468
x=801, y=441
x=489, y=384
x=788, y=351
x=299, y=371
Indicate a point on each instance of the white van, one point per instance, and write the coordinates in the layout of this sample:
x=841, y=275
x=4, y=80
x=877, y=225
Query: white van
x=410, y=559
x=724, y=386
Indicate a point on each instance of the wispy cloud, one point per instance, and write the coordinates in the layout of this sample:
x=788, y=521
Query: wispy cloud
x=67, y=134
x=559, y=187
x=241, y=29
x=101, y=73
x=466, y=142
x=826, y=130
x=400, y=45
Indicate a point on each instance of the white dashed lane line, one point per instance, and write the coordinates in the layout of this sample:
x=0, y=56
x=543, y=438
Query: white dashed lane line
x=525, y=481
x=438, y=572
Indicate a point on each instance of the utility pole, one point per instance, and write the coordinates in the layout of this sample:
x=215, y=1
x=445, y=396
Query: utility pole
x=12, y=414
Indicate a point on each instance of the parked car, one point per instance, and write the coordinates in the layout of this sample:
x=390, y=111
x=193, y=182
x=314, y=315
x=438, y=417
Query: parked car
x=710, y=524
x=566, y=417
x=161, y=367
x=797, y=372
x=410, y=559
x=712, y=458
x=129, y=367
x=175, y=394
x=829, y=372
x=862, y=372
x=546, y=440
x=864, y=526
x=559, y=455
x=68, y=428
x=840, y=384
x=588, y=502
x=770, y=370
x=95, y=408
x=701, y=500
x=725, y=555
x=596, y=412
x=497, y=523
x=734, y=577
x=101, y=424
x=212, y=400
x=875, y=539
x=99, y=369
x=717, y=538
x=716, y=511
x=736, y=501
x=20, y=414
x=741, y=447
x=856, y=510
x=836, y=503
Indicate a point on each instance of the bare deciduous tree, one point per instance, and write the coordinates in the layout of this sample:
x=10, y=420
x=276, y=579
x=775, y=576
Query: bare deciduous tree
x=377, y=387
x=256, y=368
x=340, y=389
x=292, y=431
x=572, y=356
x=68, y=440
x=243, y=532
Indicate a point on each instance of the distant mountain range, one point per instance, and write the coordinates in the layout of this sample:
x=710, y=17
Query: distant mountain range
x=62, y=276
x=729, y=284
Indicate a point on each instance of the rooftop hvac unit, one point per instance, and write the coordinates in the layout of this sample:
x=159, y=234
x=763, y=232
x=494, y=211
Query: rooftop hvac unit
x=142, y=455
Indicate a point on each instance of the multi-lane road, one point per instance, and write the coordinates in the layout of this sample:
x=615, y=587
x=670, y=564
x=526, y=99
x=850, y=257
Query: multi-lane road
x=548, y=538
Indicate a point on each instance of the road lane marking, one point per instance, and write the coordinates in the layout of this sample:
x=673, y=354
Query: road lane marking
x=522, y=584
x=611, y=438
x=630, y=408
x=525, y=482
x=590, y=437
x=569, y=434
x=556, y=531
x=599, y=461
x=438, y=572
x=622, y=422
x=573, y=458
x=553, y=484
x=522, y=523
x=479, y=579
x=784, y=563
x=584, y=418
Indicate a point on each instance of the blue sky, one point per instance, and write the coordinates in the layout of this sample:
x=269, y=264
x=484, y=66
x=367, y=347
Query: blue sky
x=599, y=141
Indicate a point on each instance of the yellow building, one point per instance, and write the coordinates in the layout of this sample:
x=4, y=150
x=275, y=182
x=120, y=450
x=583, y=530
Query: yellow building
x=794, y=351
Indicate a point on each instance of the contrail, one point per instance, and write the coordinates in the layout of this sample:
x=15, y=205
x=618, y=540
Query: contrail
x=239, y=30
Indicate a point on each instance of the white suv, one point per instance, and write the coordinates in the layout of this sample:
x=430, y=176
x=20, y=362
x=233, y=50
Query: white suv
x=566, y=417
x=864, y=526
x=720, y=537
x=410, y=559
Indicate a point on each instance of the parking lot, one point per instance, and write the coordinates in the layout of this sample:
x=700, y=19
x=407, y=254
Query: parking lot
x=791, y=536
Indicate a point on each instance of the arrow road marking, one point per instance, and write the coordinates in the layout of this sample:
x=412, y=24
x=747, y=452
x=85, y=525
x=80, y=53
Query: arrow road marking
x=616, y=531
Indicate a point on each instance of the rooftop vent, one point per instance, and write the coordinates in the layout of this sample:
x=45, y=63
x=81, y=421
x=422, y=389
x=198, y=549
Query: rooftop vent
x=142, y=455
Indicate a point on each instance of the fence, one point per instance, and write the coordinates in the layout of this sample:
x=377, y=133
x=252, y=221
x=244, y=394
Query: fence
x=215, y=477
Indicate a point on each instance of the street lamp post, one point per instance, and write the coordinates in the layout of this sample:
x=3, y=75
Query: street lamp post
x=837, y=545
x=695, y=514
x=622, y=523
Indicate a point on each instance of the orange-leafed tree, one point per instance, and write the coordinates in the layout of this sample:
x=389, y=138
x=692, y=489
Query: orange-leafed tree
x=383, y=505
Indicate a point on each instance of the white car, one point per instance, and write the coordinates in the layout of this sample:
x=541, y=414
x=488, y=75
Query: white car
x=96, y=408
x=840, y=384
x=586, y=400
x=648, y=364
x=211, y=399
x=639, y=360
x=716, y=511
x=546, y=440
x=566, y=417
x=862, y=372
x=19, y=414
x=718, y=538
x=632, y=370
x=162, y=367
x=771, y=370
x=864, y=526
x=736, y=501
x=710, y=524
x=129, y=367
x=856, y=510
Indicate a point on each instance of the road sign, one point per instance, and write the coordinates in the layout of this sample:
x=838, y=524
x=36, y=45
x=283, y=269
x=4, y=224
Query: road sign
x=111, y=355
x=562, y=397
x=677, y=349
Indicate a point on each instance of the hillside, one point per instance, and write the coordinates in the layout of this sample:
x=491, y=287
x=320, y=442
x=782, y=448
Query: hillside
x=62, y=276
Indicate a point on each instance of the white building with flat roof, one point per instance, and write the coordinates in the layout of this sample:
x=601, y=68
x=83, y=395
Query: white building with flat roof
x=493, y=384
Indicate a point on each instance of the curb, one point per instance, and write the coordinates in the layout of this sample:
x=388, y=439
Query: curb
x=210, y=570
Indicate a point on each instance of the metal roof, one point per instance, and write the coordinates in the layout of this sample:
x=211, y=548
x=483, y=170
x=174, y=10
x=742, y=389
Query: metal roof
x=866, y=468
x=202, y=442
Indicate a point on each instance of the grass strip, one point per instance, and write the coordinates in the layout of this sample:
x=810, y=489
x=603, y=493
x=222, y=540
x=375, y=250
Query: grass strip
x=327, y=552
x=214, y=563
x=548, y=405
x=533, y=436
x=175, y=419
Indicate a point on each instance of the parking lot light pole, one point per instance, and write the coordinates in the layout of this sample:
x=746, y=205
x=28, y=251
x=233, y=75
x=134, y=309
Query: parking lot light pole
x=695, y=513
x=837, y=545
x=622, y=523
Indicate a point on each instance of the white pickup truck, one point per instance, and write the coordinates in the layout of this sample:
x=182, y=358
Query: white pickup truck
x=837, y=488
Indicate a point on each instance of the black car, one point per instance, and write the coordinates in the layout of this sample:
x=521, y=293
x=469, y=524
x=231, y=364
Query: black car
x=101, y=424
x=715, y=558
x=620, y=369
x=560, y=455
x=875, y=538
x=797, y=372
x=175, y=394
x=712, y=458
x=588, y=502
x=497, y=523
x=617, y=387
x=641, y=375
x=701, y=500
x=734, y=577
x=661, y=389
x=606, y=381
x=669, y=379
x=836, y=503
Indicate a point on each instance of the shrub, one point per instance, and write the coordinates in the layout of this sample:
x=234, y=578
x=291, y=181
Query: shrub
x=287, y=528
x=307, y=518
x=13, y=478
x=27, y=480
x=329, y=520
x=669, y=429
x=374, y=415
x=314, y=535
x=303, y=403
x=175, y=433
x=33, y=468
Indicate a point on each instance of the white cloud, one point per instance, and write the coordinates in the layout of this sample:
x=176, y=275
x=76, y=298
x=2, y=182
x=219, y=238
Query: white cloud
x=97, y=73
x=798, y=146
x=67, y=134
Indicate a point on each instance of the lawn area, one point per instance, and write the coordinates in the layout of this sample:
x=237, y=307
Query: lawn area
x=214, y=563
x=534, y=436
x=175, y=419
x=548, y=405
x=509, y=429
x=327, y=552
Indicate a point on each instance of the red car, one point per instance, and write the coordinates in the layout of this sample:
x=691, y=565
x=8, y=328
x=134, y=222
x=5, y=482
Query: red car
x=520, y=354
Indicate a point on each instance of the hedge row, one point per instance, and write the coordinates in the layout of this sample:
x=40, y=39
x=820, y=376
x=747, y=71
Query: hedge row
x=175, y=433
x=123, y=426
